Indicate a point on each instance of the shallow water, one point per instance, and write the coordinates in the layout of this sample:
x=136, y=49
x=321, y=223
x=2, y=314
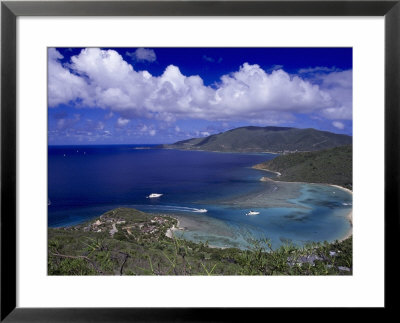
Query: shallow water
x=318, y=213
x=88, y=181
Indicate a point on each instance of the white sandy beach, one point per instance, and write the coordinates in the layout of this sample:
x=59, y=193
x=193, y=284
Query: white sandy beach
x=267, y=170
x=350, y=232
x=349, y=215
x=339, y=187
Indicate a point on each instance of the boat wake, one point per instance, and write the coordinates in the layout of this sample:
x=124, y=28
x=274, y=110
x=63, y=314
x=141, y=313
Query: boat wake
x=201, y=211
x=172, y=208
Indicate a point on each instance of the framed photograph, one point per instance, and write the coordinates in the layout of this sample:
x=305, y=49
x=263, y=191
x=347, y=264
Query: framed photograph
x=179, y=155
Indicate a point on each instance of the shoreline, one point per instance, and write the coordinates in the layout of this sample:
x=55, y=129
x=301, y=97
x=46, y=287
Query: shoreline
x=274, y=180
x=349, y=216
x=349, y=233
x=267, y=170
x=339, y=187
x=170, y=231
x=224, y=152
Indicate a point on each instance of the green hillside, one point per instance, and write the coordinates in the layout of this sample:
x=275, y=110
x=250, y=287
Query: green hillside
x=265, y=139
x=126, y=241
x=331, y=166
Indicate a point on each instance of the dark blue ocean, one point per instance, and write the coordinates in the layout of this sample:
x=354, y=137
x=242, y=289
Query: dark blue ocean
x=86, y=181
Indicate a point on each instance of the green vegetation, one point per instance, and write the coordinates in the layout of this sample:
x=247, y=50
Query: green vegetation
x=129, y=242
x=265, y=139
x=331, y=166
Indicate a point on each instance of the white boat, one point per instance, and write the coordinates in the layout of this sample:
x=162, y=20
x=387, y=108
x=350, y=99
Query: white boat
x=154, y=195
x=201, y=211
x=252, y=213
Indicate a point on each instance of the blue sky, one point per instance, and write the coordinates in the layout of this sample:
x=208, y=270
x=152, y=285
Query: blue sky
x=162, y=95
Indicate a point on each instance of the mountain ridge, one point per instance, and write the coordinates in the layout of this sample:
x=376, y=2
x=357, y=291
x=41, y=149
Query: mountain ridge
x=264, y=139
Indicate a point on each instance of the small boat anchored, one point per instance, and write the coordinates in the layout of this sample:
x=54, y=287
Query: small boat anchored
x=154, y=195
x=253, y=213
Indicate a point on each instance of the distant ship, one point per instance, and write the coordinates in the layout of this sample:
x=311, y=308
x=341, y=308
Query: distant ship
x=252, y=213
x=154, y=195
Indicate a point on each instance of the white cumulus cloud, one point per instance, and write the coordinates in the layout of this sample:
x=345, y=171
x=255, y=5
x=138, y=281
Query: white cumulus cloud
x=103, y=79
x=63, y=86
x=142, y=55
x=338, y=124
x=121, y=122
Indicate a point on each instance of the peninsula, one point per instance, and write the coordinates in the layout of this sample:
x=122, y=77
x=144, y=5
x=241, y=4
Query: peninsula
x=330, y=166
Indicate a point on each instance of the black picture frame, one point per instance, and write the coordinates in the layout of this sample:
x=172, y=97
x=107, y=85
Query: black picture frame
x=10, y=10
